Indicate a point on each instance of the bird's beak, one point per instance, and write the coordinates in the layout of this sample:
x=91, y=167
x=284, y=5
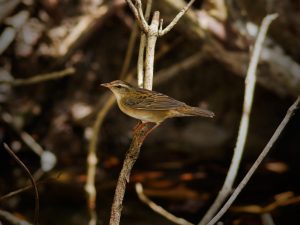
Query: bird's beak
x=106, y=85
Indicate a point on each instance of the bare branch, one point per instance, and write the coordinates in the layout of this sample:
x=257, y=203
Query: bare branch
x=130, y=158
x=138, y=13
x=92, y=156
x=244, y=124
x=41, y=77
x=18, y=191
x=158, y=209
x=133, y=9
x=258, y=161
x=13, y=193
x=141, y=14
x=140, y=63
x=176, y=19
x=150, y=51
x=152, y=32
x=36, y=193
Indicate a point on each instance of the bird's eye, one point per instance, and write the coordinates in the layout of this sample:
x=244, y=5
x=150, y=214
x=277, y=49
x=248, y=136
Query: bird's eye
x=118, y=86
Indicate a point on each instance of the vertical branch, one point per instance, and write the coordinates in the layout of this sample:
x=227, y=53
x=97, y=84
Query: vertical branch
x=140, y=64
x=257, y=162
x=92, y=161
x=150, y=49
x=41, y=77
x=244, y=124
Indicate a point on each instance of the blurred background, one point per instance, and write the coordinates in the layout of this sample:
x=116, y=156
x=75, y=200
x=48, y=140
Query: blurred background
x=183, y=163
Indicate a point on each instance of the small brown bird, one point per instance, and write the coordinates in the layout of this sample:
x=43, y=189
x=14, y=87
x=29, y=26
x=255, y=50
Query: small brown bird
x=151, y=106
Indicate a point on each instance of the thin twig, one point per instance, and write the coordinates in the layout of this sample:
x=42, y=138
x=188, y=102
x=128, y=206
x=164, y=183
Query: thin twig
x=158, y=209
x=36, y=193
x=141, y=14
x=257, y=209
x=41, y=77
x=20, y=190
x=176, y=19
x=92, y=157
x=258, y=161
x=16, y=192
x=138, y=13
x=244, y=124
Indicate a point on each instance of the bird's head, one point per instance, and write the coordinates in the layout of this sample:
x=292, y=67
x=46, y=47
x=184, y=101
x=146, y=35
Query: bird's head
x=119, y=88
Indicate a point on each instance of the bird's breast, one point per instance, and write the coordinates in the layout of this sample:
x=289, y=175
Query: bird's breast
x=154, y=116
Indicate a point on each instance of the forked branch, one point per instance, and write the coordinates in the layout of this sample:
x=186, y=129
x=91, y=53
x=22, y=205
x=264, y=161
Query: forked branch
x=151, y=34
x=176, y=19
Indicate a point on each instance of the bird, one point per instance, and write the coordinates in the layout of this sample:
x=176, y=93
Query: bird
x=151, y=106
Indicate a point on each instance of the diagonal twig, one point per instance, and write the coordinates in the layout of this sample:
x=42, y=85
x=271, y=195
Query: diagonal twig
x=158, y=209
x=138, y=13
x=41, y=77
x=36, y=193
x=176, y=19
x=130, y=158
x=258, y=161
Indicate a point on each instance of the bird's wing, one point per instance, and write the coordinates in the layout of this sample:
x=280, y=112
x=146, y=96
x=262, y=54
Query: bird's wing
x=151, y=100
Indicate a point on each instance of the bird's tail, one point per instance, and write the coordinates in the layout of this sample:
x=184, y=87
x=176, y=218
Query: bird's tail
x=195, y=111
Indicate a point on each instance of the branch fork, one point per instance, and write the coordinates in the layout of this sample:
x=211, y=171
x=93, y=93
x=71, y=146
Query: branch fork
x=145, y=27
x=150, y=33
